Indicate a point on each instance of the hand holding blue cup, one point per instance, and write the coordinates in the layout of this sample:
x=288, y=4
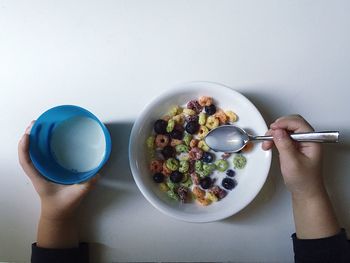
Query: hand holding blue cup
x=68, y=144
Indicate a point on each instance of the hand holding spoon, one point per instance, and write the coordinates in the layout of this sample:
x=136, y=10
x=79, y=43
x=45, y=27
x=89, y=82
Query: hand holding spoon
x=229, y=138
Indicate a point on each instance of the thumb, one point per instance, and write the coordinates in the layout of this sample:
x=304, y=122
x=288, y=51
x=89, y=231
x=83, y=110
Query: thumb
x=284, y=145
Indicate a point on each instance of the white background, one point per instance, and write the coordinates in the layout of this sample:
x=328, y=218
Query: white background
x=112, y=57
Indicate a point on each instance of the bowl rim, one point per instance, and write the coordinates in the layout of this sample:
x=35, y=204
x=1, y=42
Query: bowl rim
x=134, y=170
x=38, y=165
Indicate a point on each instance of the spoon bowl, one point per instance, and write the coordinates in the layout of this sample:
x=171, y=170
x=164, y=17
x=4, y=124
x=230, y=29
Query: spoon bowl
x=227, y=138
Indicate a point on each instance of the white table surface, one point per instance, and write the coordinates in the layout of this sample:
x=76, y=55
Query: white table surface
x=112, y=57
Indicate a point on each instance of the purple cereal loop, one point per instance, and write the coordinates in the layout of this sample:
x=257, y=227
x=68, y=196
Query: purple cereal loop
x=179, y=127
x=195, y=153
x=182, y=191
x=191, y=166
x=222, y=193
x=194, y=105
x=189, y=118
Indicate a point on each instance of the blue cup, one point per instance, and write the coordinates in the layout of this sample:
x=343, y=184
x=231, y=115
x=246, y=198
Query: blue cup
x=68, y=144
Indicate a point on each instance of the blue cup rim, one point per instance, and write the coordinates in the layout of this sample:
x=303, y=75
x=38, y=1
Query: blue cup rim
x=39, y=145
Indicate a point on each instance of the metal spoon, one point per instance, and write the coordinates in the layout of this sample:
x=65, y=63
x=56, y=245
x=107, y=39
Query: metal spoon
x=229, y=138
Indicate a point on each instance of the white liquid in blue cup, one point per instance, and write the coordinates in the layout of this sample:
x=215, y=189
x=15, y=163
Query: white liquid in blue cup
x=78, y=144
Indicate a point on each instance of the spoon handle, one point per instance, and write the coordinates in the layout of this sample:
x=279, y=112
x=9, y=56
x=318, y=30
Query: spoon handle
x=323, y=136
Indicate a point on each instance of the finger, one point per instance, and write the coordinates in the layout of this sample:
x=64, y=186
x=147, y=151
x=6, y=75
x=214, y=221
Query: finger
x=24, y=158
x=29, y=128
x=267, y=145
x=285, y=145
x=293, y=123
x=23, y=146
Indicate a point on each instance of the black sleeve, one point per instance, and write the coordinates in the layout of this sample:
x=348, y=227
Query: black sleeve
x=70, y=255
x=331, y=249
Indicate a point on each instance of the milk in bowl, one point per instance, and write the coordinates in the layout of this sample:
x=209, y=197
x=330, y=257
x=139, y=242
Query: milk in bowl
x=78, y=144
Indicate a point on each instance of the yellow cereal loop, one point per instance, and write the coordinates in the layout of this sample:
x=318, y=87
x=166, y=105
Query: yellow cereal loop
x=163, y=187
x=202, y=145
x=180, y=119
x=232, y=117
x=212, y=122
x=212, y=197
x=202, y=132
x=189, y=112
x=174, y=111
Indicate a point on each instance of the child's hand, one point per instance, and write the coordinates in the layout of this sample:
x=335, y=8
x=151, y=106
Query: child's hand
x=302, y=172
x=300, y=162
x=58, y=202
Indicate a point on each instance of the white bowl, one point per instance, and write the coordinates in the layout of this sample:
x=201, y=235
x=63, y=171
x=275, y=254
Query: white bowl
x=250, y=179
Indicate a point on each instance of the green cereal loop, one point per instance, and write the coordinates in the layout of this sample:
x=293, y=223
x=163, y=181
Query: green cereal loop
x=172, y=164
x=187, y=139
x=204, y=173
x=188, y=182
x=198, y=166
x=170, y=184
x=221, y=165
x=170, y=126
x=181, y=148
x=150, y=142
x=209, y=168
x=202, y=118
x=239, y=161
x=184, y=166
x=184, y=178
x=172, y=195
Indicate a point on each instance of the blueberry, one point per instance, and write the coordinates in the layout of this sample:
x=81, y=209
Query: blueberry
x=230, y=173
x=168, y=152
x=207, y=157
x=176, y=134
x=205, y=182
x=160, y=126
x=210, y=110
x=228, y=183
x=192, y=127
x=158, y=177
x=176, y=177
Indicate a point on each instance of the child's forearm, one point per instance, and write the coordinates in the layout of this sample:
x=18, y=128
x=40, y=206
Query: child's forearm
x=58, y=234
x=314, y=216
